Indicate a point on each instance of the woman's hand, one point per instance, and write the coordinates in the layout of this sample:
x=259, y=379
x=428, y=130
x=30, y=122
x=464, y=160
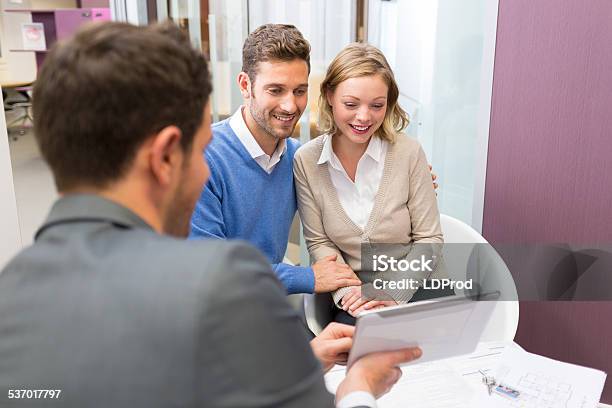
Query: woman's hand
x=353, y=303
x=351, y=299
x=374, y=304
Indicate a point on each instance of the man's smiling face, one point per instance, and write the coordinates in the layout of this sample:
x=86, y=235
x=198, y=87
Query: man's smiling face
x=278, y=96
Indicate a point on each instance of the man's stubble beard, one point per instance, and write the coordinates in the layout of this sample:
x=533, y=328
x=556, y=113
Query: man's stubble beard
x=259, y=117
x=178, y=220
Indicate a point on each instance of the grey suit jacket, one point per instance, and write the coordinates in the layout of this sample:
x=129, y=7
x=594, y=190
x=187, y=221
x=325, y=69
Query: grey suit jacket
x=116, y=315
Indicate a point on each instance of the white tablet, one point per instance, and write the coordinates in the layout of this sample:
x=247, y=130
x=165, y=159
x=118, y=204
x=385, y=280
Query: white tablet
x=442, y=328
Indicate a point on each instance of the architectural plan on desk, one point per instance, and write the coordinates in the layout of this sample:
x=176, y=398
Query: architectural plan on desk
x=544, y=383
x=452, y=382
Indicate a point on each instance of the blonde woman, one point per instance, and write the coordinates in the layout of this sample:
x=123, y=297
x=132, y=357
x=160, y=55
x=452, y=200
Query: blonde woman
x=363, y=180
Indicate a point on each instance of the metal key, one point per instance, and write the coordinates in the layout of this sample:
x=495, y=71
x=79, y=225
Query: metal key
x=488, y=381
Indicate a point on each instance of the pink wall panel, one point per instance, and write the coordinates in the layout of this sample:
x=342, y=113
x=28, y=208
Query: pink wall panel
x=100, y=14
x=549, y=175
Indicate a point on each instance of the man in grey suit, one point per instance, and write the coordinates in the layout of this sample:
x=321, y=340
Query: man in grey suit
x=111, y=307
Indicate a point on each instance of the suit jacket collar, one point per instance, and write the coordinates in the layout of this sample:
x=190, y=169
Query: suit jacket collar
x=74, y=208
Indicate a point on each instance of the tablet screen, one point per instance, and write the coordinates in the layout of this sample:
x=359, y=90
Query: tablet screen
x=442, y=329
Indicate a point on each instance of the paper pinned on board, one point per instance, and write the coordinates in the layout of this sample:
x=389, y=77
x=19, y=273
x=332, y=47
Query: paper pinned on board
x=33, y=35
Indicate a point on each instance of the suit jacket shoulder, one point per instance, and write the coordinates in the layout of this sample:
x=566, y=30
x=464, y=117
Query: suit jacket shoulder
x=125, y=317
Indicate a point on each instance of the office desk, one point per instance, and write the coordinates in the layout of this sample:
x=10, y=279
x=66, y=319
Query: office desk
x=448, y=383
x=14, y=84
x=21, y=107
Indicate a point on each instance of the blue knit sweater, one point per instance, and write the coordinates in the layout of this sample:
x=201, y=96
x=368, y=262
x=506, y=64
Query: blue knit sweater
x=243, y=201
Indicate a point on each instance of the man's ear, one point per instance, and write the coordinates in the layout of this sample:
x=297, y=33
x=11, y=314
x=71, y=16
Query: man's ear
x=166, y=154
x=244, y=83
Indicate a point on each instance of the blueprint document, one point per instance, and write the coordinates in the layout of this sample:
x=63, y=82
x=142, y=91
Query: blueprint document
x=543, y=383
x=448, y=383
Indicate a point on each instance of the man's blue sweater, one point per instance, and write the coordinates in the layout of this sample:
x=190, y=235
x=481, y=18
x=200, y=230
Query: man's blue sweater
x=242, y=201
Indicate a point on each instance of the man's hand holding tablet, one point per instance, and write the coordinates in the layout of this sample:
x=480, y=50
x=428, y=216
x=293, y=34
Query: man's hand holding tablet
x=376, y=373
x=444, y=327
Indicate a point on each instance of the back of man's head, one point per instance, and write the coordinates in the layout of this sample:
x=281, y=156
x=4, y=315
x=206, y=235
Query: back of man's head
x=101, y=94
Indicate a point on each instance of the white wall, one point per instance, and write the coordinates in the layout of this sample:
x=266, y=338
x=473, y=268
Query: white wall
x=15, y=66
x=10, y=239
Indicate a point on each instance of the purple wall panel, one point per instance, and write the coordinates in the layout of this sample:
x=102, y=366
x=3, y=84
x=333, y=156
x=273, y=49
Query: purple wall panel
x=550, y=146
x=549, y=175
x=68, y=21
x=47, y=18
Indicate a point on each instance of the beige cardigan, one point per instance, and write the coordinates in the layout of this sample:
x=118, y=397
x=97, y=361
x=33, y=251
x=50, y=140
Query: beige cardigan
x=405, y=208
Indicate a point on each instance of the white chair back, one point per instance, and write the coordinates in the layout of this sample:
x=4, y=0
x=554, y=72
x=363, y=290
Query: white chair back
x=504, y=321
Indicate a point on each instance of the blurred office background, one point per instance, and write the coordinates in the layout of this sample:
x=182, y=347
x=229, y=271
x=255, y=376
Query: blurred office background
x=510, y=100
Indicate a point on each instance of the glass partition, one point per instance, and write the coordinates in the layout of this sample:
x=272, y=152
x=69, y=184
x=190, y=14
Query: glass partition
x=228, y=28
x=442, y=54
x=441, y=51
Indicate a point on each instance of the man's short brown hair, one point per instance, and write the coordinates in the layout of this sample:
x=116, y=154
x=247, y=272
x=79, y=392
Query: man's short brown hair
x=101, y=94
x=269, y=42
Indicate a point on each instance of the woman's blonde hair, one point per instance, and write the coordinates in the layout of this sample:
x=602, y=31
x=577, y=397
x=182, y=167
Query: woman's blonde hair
x=359, y=60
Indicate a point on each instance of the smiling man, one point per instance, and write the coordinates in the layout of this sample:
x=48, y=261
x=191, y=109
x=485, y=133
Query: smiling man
x=250, y=194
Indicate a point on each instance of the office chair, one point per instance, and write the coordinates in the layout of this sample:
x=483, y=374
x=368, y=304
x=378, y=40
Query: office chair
x=478, y=260
x=23, y=106
x=318, y=308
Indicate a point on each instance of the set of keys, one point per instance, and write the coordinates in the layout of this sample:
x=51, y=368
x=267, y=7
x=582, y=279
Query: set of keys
x=501, y=389
x=488, y=381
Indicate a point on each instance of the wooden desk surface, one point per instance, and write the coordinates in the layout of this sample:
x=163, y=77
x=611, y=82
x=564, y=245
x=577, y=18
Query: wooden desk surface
x=15, y=84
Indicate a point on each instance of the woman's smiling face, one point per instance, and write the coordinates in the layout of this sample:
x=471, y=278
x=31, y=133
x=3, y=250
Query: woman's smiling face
x=359, y=106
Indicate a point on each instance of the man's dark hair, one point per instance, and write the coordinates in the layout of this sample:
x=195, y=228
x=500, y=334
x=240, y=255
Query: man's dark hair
x=282, y=42
x=101, y=94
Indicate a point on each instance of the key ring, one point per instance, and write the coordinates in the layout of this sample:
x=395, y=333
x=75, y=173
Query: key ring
x=488, y=380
